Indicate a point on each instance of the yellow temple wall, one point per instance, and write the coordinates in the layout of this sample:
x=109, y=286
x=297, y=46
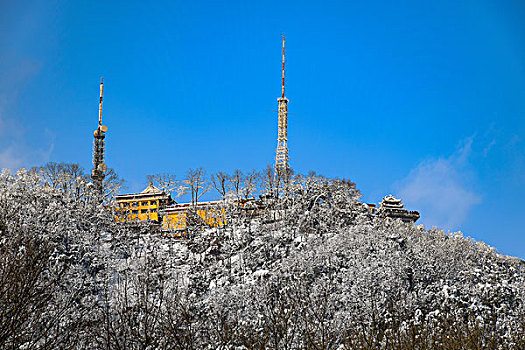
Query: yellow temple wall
x=178, y=220
x=133, y=209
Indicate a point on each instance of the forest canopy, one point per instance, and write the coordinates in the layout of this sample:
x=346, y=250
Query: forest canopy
x=321, y=274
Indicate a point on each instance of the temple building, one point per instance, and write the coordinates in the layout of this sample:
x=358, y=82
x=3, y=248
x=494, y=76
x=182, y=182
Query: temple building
x=155, y=205
x=392, y=207
x=177, y=218
x=142, y=206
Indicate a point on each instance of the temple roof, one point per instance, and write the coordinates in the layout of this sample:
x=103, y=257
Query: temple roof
x=151, y=190
x=392, y=207
x=391, y=202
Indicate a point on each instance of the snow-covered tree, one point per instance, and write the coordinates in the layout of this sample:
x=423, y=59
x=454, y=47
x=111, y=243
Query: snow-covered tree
x=165, y=182
x=320, y=274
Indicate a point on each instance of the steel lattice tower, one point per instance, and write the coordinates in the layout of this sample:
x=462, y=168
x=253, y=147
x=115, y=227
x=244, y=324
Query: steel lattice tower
x=281, y=156
x=99, y=167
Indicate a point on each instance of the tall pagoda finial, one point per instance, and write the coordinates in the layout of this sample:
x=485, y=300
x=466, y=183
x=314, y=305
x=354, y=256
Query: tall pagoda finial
x=99, y=167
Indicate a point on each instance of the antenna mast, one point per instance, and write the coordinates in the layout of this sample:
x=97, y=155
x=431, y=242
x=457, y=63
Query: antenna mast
x=100, y=104
x=282, y=95
x=281, y=156
x=99, y=167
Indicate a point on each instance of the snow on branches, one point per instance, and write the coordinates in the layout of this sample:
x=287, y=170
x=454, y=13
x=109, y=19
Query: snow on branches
x=315, y=271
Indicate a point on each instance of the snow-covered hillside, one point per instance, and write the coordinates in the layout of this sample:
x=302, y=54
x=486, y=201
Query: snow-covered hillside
x=325, y=275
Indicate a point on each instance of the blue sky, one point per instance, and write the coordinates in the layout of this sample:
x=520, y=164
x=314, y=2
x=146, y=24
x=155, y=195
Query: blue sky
x=424, y=100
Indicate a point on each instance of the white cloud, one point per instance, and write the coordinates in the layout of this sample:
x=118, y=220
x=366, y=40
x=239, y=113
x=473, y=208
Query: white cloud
x=14, y=147
x=9, y=159
x=17, y=155
x=439, y=189
x=488, y=148
x=15, y=72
